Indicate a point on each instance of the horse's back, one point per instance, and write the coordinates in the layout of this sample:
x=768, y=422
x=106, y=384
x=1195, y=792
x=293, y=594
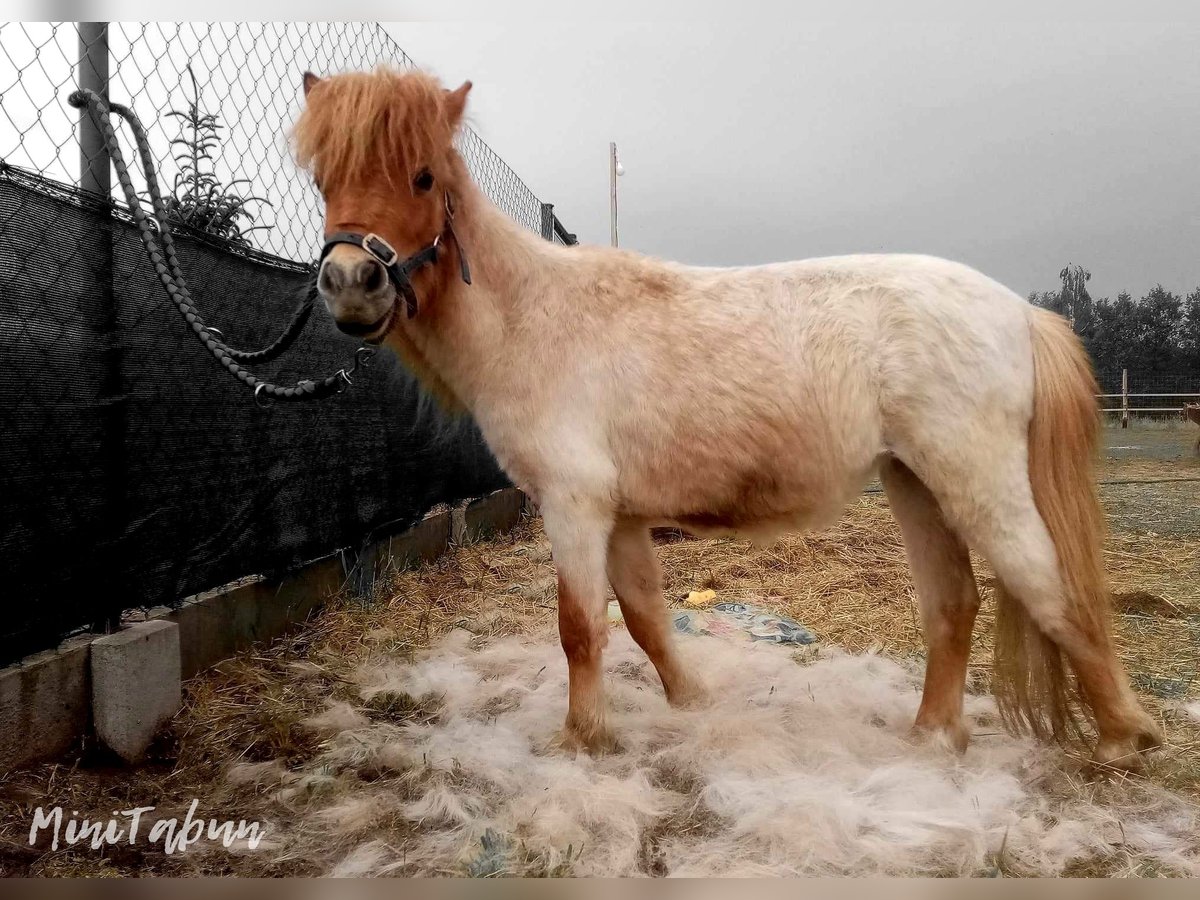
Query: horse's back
x=909, y=328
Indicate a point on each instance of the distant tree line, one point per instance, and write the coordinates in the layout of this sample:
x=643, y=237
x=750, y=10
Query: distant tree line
x=1157, y=334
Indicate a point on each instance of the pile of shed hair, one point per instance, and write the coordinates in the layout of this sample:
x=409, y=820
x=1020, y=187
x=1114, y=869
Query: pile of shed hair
x=802, y=764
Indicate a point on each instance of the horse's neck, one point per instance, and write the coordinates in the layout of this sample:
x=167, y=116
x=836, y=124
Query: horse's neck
x=470, y=334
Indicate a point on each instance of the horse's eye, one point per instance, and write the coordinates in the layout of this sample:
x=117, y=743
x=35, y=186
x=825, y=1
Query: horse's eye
x=424, y=181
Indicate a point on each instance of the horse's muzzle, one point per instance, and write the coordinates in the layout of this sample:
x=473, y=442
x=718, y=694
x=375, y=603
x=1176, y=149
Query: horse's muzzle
x=357, y=292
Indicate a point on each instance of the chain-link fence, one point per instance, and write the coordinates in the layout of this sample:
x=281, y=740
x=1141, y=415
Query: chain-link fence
x=133, y=470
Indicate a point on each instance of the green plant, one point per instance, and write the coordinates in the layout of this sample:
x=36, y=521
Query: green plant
x=199, y=199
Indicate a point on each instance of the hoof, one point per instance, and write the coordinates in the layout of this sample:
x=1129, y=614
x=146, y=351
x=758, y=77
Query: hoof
x=689, y=695
x=593, y=738
x=1119, y=756
x=1128, y=754
x=1149, y=738
x=954, y=736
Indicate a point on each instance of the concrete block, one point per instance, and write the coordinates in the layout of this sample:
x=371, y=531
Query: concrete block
x=215, y=625
x=424, y=542
x=44, y=703
x=528, y=506
x=458, y=525
x=362, y=568
x=498, y=511
x=135, y=685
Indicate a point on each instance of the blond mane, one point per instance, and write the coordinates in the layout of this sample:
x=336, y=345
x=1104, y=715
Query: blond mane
x=383, y=123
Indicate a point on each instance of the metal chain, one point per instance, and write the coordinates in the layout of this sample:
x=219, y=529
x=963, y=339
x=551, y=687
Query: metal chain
x=166, y=266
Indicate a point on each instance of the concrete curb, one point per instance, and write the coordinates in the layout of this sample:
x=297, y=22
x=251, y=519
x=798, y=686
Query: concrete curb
x=45, y=699
x=45, y=703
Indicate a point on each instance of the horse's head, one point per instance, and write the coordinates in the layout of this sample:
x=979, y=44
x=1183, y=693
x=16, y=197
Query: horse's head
x=380, y=147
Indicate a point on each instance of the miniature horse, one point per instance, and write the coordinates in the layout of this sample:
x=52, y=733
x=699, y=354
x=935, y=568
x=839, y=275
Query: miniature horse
x=622, y=393
x=1191, y=413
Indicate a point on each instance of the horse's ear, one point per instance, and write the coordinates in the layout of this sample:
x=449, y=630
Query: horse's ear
x=456, y=101
x=310, y=81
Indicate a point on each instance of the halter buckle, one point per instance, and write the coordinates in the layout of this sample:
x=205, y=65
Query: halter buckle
x=374, y=238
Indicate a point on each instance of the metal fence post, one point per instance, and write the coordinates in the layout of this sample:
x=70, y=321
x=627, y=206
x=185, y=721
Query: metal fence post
x=94, y=169
x=1124, y=398
x=100, y=310
x=548, y=221
x=612, y=190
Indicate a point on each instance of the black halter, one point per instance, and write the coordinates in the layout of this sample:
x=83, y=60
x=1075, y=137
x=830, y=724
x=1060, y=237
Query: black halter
x=400, y=270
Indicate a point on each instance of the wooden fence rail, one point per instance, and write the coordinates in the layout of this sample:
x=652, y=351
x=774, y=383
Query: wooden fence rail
x=1125, y=396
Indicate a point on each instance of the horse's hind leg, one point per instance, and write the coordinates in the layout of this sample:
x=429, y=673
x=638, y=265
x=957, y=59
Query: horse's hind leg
x=948, y=598
x=636, y=578
x=993, y=507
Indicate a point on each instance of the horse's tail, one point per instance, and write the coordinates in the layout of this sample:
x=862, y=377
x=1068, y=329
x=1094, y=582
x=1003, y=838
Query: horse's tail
x=1032, y=687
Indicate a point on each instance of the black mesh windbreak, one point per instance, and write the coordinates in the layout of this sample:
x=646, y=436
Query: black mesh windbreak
x=135, y=471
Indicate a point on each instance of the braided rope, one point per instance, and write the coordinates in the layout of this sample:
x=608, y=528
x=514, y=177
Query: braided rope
x=166, y=266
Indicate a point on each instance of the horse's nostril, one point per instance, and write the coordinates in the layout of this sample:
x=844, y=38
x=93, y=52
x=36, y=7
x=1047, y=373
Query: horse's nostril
x=374, y=279
x=329, y=280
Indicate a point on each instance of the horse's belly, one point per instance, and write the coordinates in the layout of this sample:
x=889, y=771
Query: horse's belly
x=762, y=530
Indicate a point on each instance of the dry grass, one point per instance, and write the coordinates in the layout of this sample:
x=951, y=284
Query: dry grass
x=849, y=585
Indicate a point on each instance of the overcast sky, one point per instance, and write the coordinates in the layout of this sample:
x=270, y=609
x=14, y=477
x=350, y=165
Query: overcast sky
x=1014, y=147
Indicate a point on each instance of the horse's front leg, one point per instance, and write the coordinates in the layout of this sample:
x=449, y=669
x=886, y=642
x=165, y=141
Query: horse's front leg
x=579, y=541
x=636, y=577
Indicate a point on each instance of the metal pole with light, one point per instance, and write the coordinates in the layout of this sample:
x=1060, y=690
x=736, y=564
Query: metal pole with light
x=615, y=169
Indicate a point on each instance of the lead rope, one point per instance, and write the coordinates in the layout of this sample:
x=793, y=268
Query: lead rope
x=166, y=266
